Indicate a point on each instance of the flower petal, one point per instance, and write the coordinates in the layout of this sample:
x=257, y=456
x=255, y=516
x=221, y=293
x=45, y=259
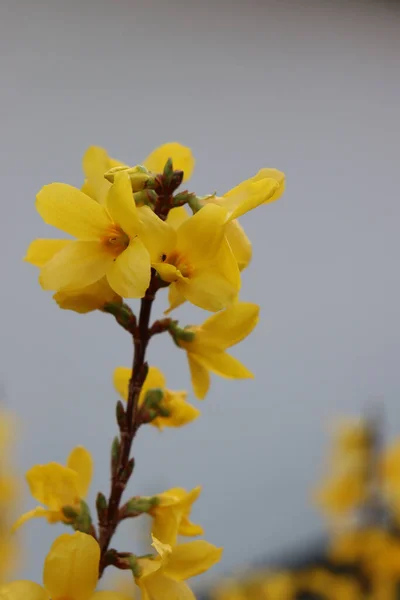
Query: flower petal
x=160, y=587
x=40, y=251
x=181, y=412
x=224, y=365
x=239, y=243
x=129, y=274
x=230, y=326
x=23, y=590
x=70, y=210
x=106, y=595
x=95, y=163
x=182, y=159
x=175, y=298
x=189, y=529
x=238, y=202
x=191, y=559
x=155, y=379
x=53, y=485
x=177, y=216
x=39, y=511
x=167, y=272
x=71, y=568
x=209, y=290
x=200, y=377
x=121, y=204
x=157, y=235
x=80, y=461
x=121, y=380
x=76, y=266
x=165, y=527
x=91, y=297
x=200, y=237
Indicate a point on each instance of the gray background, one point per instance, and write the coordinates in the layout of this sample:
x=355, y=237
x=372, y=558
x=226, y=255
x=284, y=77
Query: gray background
x=309, y=87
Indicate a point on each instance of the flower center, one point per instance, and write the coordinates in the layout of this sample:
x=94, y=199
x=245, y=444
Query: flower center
x=180, y=262
x=115, y=241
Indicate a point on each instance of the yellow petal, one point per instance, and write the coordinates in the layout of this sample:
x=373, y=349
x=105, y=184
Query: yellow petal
x=239, y=243
x=53, y=485
x=105, y=595
x=165, y=528
x=182, y=159
x=181, y=412
x=209, y=290
x=256, y=193
x=121, y=204
x=89, y=298
x=41, y=251
x=39, y=511
x=167, y=272
x=230, y=326
x=76, y=266
x=224, y=365
x=129, y=274
x=279, y=176
x=189, y=529
x=121, y=380
x=177, y=216
x=175, y=298
x=23, y=590
x=200, y=377
x=157, y=235
x=71, y=568
x=160, y=587
x=80, y=461
x=163, y=549
x=155, y=379
x=200, y=237
x=68, y=209
x=193, y=558
x=95, y=163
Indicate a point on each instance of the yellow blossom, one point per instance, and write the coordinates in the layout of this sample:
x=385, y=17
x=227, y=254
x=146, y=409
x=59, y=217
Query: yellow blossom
x=180, y=411
x=96, y=163
x=163, y=577
x=207, y=351
x=171, y=515
x=108, y=243
x=58, y=486
x=71, y=571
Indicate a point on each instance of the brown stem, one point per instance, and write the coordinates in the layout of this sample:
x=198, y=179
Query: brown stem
x=123, y=470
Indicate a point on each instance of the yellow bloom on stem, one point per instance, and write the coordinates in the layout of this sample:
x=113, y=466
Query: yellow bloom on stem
x=71, y=572
x=164, y=577
x=108, y=243
x=91, y=297
x=207, y=351
x=58, y=486
x=180, y=411
x=196, y=258
x=171, y=515
x=96, y=163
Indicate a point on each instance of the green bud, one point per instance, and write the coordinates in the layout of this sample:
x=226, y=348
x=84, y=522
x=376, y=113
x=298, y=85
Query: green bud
x=127, y=472
x=121, y=415
x=146, y=197
x=138, y=176
x=83, y=522
x=183, y=198
x=134, y=566
x=101, y=505
x=115, y=452
x=179, y=334
x=70, y=512
x=141, y=504
x=153, y=398
x=168, y=171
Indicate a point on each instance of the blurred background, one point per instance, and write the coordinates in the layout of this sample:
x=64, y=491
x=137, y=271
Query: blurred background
x=310, y=87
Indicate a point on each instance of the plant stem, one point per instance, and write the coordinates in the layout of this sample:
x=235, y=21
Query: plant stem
x=132, y=422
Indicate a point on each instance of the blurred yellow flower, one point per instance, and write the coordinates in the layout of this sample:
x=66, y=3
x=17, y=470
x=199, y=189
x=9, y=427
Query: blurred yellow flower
x=108, y=243
x=163, y=577
x=171, y=515
x=96, y=163
x=58, y=486
x=180, y=412
x=207, y=351
x=71, y=571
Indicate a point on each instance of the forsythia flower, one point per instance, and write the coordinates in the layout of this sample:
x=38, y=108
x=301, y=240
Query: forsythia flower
x=390, y=477
x=8, y=494
x=57, y=486
x=171, y=515
x=96, y=163
x=163, y=578
x=71, y=571
x=180, y=411
x=108, y=243
x=206, y=352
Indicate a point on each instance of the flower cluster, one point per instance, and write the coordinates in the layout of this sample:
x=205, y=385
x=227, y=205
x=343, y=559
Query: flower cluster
x=130, y=235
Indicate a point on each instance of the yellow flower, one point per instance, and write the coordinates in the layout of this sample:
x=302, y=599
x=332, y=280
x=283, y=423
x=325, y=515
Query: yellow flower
x=206, y=353
x=196, y=258
x=108, y=243
x=339, y=495
x=265, y=187
x=180, y=411
x=96, y=163
x=164, y=577
x=57, y=486
x=71, y=572
x=171, y=515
